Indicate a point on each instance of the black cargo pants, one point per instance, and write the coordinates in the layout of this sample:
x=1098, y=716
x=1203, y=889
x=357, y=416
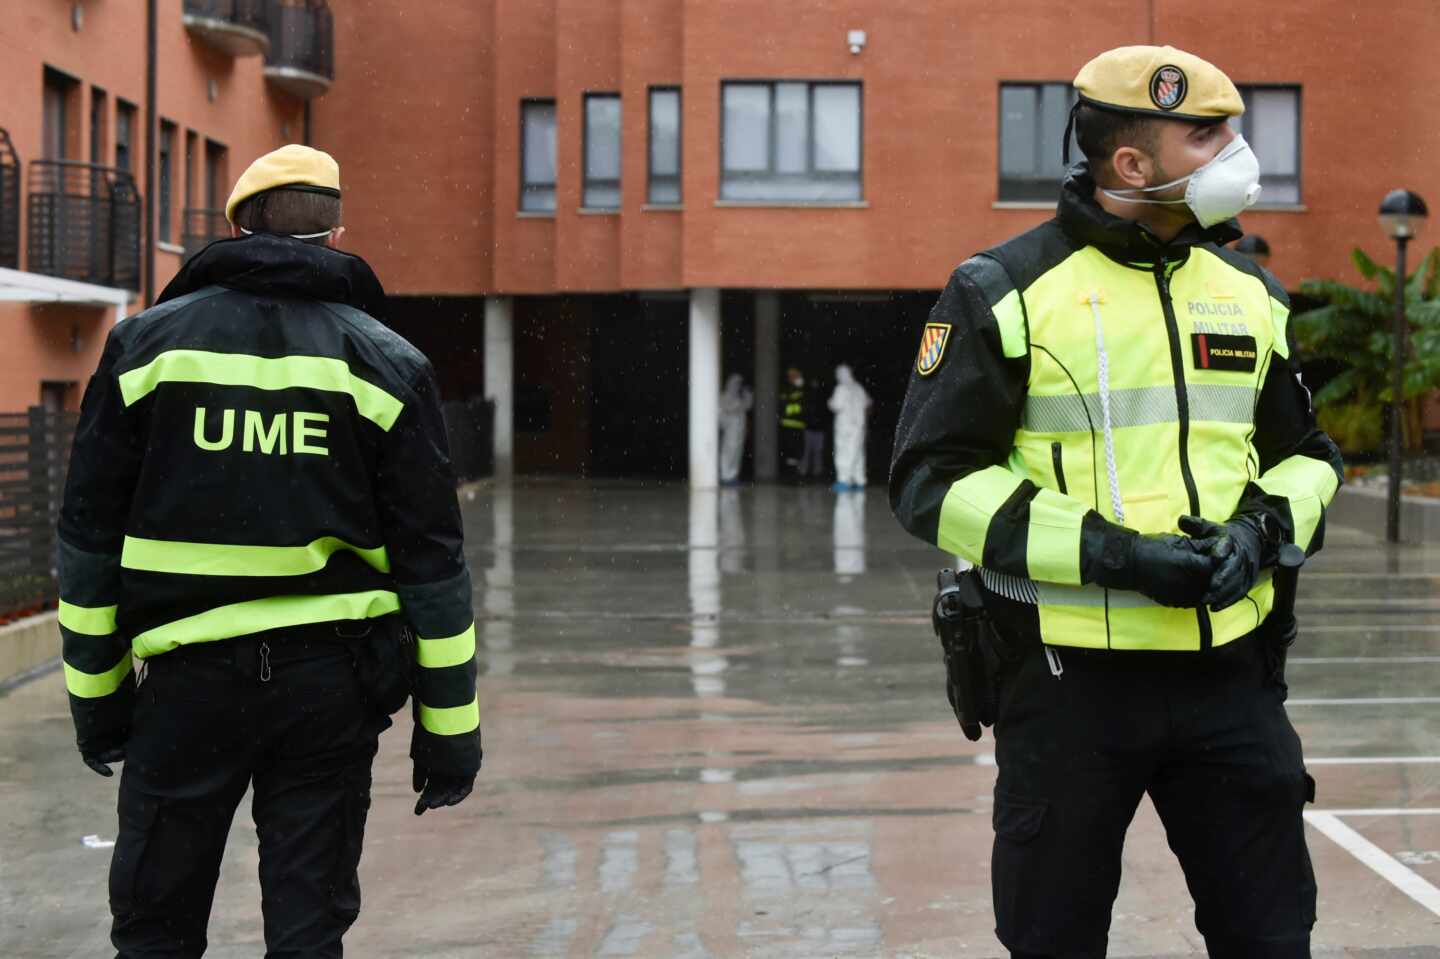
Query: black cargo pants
x=282, y=711
x=1207, y=737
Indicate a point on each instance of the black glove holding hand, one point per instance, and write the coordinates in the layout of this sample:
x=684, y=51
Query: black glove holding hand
x=439, y=789
x=1172, y=570
x=1239, y=548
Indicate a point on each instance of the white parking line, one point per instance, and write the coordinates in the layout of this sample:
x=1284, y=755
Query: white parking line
x=1385, y=865
x=1377, y=701
x=1370, y=760
x=1395, y=811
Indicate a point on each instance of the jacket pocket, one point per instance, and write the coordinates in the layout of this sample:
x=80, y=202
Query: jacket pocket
x=1018, y=820
x=1057, y=459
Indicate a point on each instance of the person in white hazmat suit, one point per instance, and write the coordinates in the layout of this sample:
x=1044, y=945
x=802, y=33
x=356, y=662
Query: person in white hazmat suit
x=850, y=404
x=735, y=403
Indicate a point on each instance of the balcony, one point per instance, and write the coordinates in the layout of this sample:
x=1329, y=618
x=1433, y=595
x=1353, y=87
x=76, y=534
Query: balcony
x=240, y=28
x=201, y=228
x=84, y=223
x=9, y=204
x=301, y=60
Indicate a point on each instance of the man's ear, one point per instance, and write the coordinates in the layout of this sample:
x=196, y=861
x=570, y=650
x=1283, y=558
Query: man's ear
x=235, y=232
x=1132, y=167
x=333, y=241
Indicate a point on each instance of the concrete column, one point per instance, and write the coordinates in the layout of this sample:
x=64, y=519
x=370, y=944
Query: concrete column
x=767, y=385
x=500, y=379
x=704, y=388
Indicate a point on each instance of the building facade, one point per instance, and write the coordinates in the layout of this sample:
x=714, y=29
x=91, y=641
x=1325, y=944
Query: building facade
x=624, y=199
x=87, y=159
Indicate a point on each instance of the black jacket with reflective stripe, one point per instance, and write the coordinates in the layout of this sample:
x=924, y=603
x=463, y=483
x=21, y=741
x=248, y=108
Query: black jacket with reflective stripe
x=254, y=452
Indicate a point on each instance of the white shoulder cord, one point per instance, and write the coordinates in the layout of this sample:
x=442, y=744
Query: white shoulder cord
x=1103, y=364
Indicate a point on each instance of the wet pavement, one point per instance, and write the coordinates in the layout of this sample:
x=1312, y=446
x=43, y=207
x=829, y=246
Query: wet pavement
x=715, y=727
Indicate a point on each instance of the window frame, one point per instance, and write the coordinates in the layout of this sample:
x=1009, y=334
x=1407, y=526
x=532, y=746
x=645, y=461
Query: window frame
x=124, y=139
x=165, y=181
x=1001, y=179
x=1246, y=130
x=811, y=174
x=651, y=177
x=552, y=185
x=215, y=156
x=586, y=181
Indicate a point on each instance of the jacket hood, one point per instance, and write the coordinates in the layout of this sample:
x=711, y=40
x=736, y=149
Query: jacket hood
x=1087, y=223
x=269, y=265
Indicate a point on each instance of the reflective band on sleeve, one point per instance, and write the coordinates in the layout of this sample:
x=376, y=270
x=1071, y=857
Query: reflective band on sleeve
x=258, y=615
x=451, y=651
x=1309, y=484
x=262, y=373
x=1052, y=550
x=89, y=621
x=1279, y=318
x=1010, y=316
x=970, y=503
x=221, y=559
x=453, y=721
x=96, y=685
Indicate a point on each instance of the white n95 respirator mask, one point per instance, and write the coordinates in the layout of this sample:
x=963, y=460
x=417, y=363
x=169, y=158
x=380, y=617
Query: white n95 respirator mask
x=1218, y=191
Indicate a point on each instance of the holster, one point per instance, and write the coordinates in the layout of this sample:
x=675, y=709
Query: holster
x=384, y=657
x=973, y=650
x=1281, y=628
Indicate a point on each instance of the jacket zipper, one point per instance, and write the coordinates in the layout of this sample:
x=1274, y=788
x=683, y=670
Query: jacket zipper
x=1182, y=406
x=1059, y=466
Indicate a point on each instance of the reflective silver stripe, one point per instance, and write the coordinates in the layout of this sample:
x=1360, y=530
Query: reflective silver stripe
x=1021, y=590
x=1138, y=406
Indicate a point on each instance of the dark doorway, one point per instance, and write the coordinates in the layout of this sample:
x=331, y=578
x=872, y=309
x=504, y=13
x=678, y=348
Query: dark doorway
x=639, y=397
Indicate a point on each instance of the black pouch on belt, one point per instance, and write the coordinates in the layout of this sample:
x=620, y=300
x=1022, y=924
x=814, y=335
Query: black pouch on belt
x=384, y=656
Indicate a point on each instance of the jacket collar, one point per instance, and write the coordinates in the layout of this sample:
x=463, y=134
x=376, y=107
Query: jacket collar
x=269, y=265
x=1087, y=223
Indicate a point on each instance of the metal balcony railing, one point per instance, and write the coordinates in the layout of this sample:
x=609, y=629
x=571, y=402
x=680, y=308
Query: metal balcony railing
x=240, y=28
x=302, y=47
x=202, y=227
x=9, y=203
x=84, y=223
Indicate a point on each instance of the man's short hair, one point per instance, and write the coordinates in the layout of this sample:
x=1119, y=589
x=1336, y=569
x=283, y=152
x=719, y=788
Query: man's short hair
x=1101, y=132
x=289, y=212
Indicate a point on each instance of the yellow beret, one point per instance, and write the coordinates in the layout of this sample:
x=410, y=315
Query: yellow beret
x=1161, y=81
x=294, y=166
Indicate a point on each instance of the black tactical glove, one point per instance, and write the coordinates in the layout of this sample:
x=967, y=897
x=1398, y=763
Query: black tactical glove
x=1172, y=570
x=1238, y=547
x=439, y=789
x=97, y=757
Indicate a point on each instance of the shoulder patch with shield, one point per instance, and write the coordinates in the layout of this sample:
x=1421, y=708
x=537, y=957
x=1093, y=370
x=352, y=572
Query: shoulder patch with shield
x=932, y=348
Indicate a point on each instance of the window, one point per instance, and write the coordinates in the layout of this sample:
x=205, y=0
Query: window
x=97, y=125
x=165, y=170
x=1271, y=125
x=216, y=191
x=124, y=132
x=664, y=146
x=1032, y=131
x=602, y=152
x=57, y=127
x=537, y=155
x=191, y=145
x=791, y=141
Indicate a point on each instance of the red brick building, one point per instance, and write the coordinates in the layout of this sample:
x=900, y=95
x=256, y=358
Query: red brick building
x=76, y=181
x=590, y=210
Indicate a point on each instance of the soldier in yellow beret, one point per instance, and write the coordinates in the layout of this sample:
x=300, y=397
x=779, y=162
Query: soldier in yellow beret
x=1105, y=418
x=261, y=510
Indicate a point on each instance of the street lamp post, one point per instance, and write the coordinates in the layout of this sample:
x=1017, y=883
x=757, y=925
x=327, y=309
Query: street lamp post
x=1401, y=214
